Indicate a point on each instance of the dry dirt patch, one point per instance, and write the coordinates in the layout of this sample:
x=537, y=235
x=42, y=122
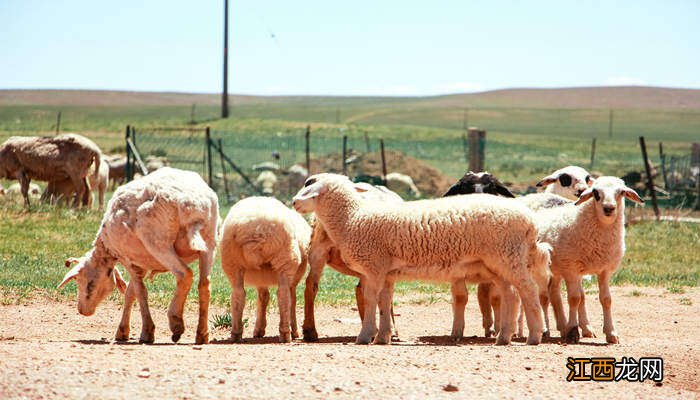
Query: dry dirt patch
x=48, y=351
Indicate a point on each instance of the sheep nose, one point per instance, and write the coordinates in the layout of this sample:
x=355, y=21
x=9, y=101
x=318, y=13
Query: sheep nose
x=608, y=210
x=579, y=192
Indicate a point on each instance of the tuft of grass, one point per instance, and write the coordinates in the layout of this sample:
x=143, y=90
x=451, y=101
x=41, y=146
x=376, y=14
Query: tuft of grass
x=686, y=301
x=223, y=321
x=675, y=289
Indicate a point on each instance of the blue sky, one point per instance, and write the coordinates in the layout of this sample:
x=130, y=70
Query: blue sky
x=350, y=47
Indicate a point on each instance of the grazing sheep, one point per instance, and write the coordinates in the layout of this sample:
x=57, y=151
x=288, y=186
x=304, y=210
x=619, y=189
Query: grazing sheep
x=478, y=182
x=66, y=156
x=568, y=182
x=587, y=237
x=158, y=223
x=264, y=243
x=267, y=181
x=117, y=170
x=58, y=191
x=15, y=191
x=429, y=239
x=402, y=184
x=324, y=252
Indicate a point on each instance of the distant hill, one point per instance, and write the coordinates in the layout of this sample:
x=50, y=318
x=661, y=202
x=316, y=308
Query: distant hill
x=638, y=97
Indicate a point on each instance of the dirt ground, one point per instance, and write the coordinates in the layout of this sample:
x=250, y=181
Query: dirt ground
x=47, y=350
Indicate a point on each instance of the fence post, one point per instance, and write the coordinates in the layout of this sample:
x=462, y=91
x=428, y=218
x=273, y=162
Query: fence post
x=650, y=179
x=695, y=163
x=128, y=172
x=345, y=154
x=308, y=158
x=662, y=158
x=207, y=134
x=477, y=145
x=223, y=168
x=369, y=149
x=592, y=153
x=58, y=123
x=610, y=124
x=381, y=146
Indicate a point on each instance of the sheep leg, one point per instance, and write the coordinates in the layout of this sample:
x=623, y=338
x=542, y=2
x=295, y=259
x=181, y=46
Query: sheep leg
x=495, y=303
x=359, y=299
x=147, y=326
x=101, y=194
x=482, y=293
x=261, y=312
x=370, y=289
x=557, y=304
x=573, y=290
x=310, y=292
x=544, y=302
x=459, y=302
x=521, y=314
x=508, y=313
x=78, y=184
x=24, y=186
x=606, y=302
x=124, y=325
x=527, y=289
x=237, y=305
x=206, y=259
x=293, y=311
x=586, y=329
x=284, y=303
x=386, y=296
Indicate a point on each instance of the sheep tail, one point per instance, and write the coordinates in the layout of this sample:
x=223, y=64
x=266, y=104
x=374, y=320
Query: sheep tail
x=96, y=157
x=538, y=264
x=195, y=239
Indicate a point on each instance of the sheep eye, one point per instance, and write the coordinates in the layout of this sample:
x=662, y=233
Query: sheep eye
x=597, y=195
x=310, y=182
x=565, y=180
x=588, y=179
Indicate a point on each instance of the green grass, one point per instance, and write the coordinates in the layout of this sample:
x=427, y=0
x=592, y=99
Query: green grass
x=34, y=246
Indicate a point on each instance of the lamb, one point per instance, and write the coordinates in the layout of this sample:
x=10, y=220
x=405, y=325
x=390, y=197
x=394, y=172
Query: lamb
x=57, y=191
x=402, y=184
x=264, y=243
x=66, y=156
x=117, y=169
x=429, y=239
x=156, y=224
x=588, y=237
x=324, y=252
x=568, y=182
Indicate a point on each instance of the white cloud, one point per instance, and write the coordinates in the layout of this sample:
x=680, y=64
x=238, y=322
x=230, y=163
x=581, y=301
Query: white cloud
x=624, y=81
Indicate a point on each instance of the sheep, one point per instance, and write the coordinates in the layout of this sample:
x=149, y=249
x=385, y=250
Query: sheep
x=154, y=163
x=323, y=251
x=158, y=223
x=264, y=243
x=117, y=169
x=429, y=239
x=267, y=181
x=588, y=237
x=15, y=191
x=478, y=182
x=66, y=156
x=57, y=191
x=402, y=184
x=2, y=190
x=568, y=182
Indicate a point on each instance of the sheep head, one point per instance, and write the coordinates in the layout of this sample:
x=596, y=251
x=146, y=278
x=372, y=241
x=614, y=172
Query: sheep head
x=95, y=281
x=608, y=192
x=569, y=182
x=478, y=182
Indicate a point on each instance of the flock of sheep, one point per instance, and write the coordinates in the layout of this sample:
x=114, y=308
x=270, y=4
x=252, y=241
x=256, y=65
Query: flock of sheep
x=518, y=249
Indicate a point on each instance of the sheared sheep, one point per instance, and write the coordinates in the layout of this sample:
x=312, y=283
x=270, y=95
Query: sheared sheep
x=154, y=163
x=158, y=223
x=587, y=237
x=263, y=244
x=568, y=182
x=324, y=252
x=57, y=191
x=429, y=239
x=117, y=169
x=66, y=156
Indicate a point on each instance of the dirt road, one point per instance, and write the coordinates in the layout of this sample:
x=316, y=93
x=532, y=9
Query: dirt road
x=47, y=350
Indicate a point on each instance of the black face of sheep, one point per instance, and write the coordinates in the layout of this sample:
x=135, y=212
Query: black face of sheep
x=478, y=182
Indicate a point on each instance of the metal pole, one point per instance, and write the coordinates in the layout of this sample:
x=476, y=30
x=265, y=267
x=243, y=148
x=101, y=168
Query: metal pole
x=223, y=168
x=207, y=134
x=345, y=154
x=381, y=145
x=58, y=123
x=662, y=158
x=592, y=152
x=308, y=149
x=650, y=180
x=128, y=171
x=224, y=96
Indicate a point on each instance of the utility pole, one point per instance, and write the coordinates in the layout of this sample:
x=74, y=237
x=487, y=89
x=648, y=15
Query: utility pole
x=224, y=95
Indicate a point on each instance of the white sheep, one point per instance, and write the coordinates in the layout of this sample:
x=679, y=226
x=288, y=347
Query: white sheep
x=266, y=181
x=323, y=251
x=587, y=237
x=568, y=182
x=402, y=184
x=15, y=191
x=158, y=223
x=263, y=244
x=58, y=191
x=429, y=239
x=66, y=156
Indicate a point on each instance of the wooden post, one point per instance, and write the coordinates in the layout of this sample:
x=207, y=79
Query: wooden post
x=369, y=149
x=477, y=145
x=308, y=148
x=207, y=135
x=223, y=168
x=592, y=153
x=381, y=146
x=610, y=124
x=662, y=158
x=650, y=179
x=58, y=123
x=345, y=154
x=128, y=170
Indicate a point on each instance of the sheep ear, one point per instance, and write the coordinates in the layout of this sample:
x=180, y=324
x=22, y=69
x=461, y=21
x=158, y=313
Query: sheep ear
x=71, y=260
x=119, y=280
x=587, y=194
x=362, y=187
x=503, y=191
x=632, y=195
x=309, y=192
x=547, y=180
x=453, y=190
x=70, y=275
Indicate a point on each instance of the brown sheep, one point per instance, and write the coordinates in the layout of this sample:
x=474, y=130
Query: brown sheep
x=62, y=191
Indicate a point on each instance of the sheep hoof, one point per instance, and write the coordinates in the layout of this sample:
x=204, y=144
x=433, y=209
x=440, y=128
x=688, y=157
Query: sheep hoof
x=612, y=338
x=534, y=340
x=546, y=335
x=285, y=337
x=175, y=337
x=236, y=337
x=587, y=332
x=503, y=340
x=572, y=336
x=259, y=333
x=382, y=338
x=489, y=332
x=202, y=338
x=146, y=339
x=362, y=340
x=295, y=334
x=310, y=335
x=122, y=335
